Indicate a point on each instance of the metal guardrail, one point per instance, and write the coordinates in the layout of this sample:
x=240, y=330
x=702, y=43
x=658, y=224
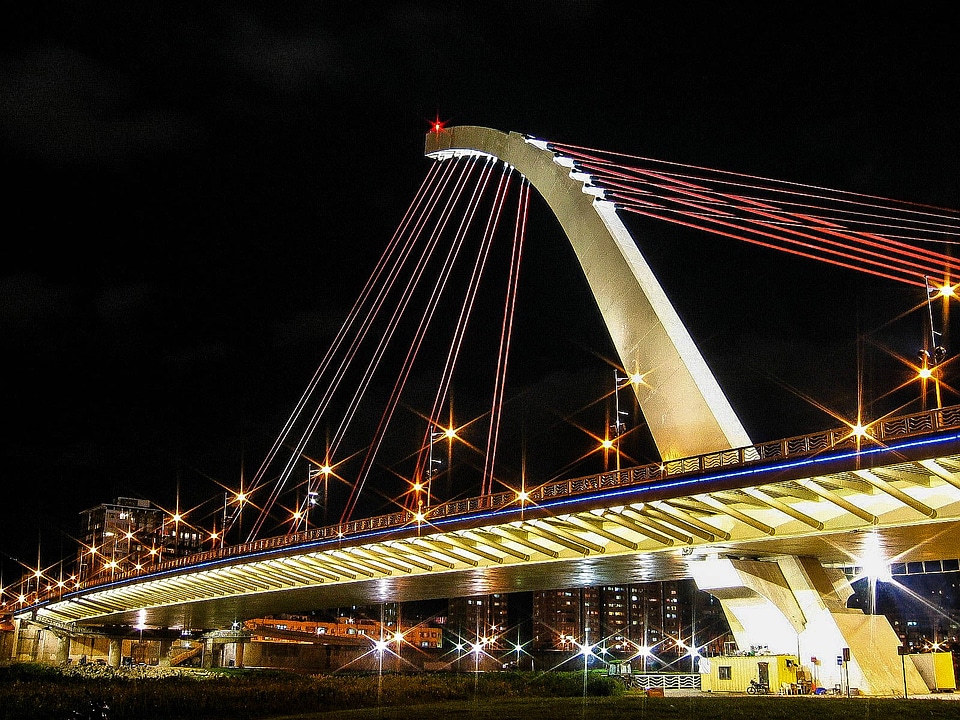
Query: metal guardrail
x=668, y=681
x=922, y=423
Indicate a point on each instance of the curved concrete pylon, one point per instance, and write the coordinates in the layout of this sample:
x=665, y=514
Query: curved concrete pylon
x=684, y=407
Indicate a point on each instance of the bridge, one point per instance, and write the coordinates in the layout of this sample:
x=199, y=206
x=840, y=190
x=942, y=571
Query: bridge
x=764, y=527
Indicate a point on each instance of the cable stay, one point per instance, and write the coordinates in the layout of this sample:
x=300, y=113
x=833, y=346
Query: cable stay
x=408, y=281
x=443, y=247
x=354, y=330
x=412, y=351
x=867, y=233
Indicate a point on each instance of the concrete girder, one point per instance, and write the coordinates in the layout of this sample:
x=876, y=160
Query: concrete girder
x=679, y=515
x=388, y=555
x=894, y=492
x=784, y=508
x=455, y=552
x=309, y=570
x=470, y=547
x=384, y=560
x=596, y=527
x=521, y=537
x=296, y=572
x=637, y=527
x=657, y=514
x=349, y=558
x=941, y=472
x=491, y=541
x=725, y=509
x=833, y=497
x=641, y=515
x=430, y=553
x=551, y=531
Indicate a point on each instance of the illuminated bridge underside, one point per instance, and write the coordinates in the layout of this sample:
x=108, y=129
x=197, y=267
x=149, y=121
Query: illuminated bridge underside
x=823, y=507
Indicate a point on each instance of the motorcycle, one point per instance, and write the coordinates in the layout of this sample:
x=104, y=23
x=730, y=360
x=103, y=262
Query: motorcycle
x=757, y=688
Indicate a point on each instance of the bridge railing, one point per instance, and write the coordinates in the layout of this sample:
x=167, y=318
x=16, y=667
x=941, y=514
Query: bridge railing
x=921, y=423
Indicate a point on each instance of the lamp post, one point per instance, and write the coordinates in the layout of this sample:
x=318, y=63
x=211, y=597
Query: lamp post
x=903, y=651
x=585, y=650
x=380, y=646
x=938, y=353
x=432, y=462
x=313, y=493
x=618, y=425
x=477, y=649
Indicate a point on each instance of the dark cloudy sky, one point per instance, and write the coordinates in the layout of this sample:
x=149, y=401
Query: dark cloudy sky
x=196, y=192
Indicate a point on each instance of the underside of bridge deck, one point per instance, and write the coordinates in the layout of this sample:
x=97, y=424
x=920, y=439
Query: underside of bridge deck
x=902, y=505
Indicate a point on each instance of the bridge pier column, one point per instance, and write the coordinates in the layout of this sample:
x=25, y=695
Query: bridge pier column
x=165, y=645
x=25, y=642
x=63, y=649
x=796, y=606
x=114, y=652
x=212, y=654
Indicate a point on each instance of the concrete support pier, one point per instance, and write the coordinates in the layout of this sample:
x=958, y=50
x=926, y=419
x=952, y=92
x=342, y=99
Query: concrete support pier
x=63, y=649
x=115, y=652
x=793, y=605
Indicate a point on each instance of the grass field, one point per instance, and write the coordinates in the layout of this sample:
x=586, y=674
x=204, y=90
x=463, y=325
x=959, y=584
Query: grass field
x=636, y=707
x=37, y=692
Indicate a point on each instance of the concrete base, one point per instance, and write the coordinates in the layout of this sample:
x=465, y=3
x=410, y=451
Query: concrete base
x=795, y=605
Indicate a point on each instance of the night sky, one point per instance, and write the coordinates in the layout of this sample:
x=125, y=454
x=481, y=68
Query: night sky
x=195, y=197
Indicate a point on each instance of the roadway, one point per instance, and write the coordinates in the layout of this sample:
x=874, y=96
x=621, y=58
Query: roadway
x=828, y=495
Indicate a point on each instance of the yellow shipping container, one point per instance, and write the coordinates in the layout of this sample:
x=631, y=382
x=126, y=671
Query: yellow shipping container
x=936, y=669
x=734, y=673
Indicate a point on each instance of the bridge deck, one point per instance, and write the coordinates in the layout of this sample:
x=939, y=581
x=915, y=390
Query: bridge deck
x=827, y=495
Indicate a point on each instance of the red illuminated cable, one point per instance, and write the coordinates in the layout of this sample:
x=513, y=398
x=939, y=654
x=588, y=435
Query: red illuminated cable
x=383, y=289
x=862, y=240
x=577, y=150
x=601, y=166
x=907, y=280
x=419, y=336
x=466, y=307
x=910, y=269
x=891, y=246
x=859, y=239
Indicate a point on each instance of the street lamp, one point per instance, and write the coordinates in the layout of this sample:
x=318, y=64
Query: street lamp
x=432, y=463
x=232, y=514
x=644, y=652
x=585, y=649
x=619, y=427
x=313, y=490
x=380, y=646
x=929, y=361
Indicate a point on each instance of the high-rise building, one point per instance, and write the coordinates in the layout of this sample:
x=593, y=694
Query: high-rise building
x=563, y=619
x=660, y=618
x=478, y=618
x=128, y=533
x=117, y=534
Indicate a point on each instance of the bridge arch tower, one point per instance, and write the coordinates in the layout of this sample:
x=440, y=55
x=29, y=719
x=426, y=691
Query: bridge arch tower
x=682, y=403
x=794, y=601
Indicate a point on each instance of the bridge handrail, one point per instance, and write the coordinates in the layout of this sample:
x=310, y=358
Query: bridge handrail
x=920, y=423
